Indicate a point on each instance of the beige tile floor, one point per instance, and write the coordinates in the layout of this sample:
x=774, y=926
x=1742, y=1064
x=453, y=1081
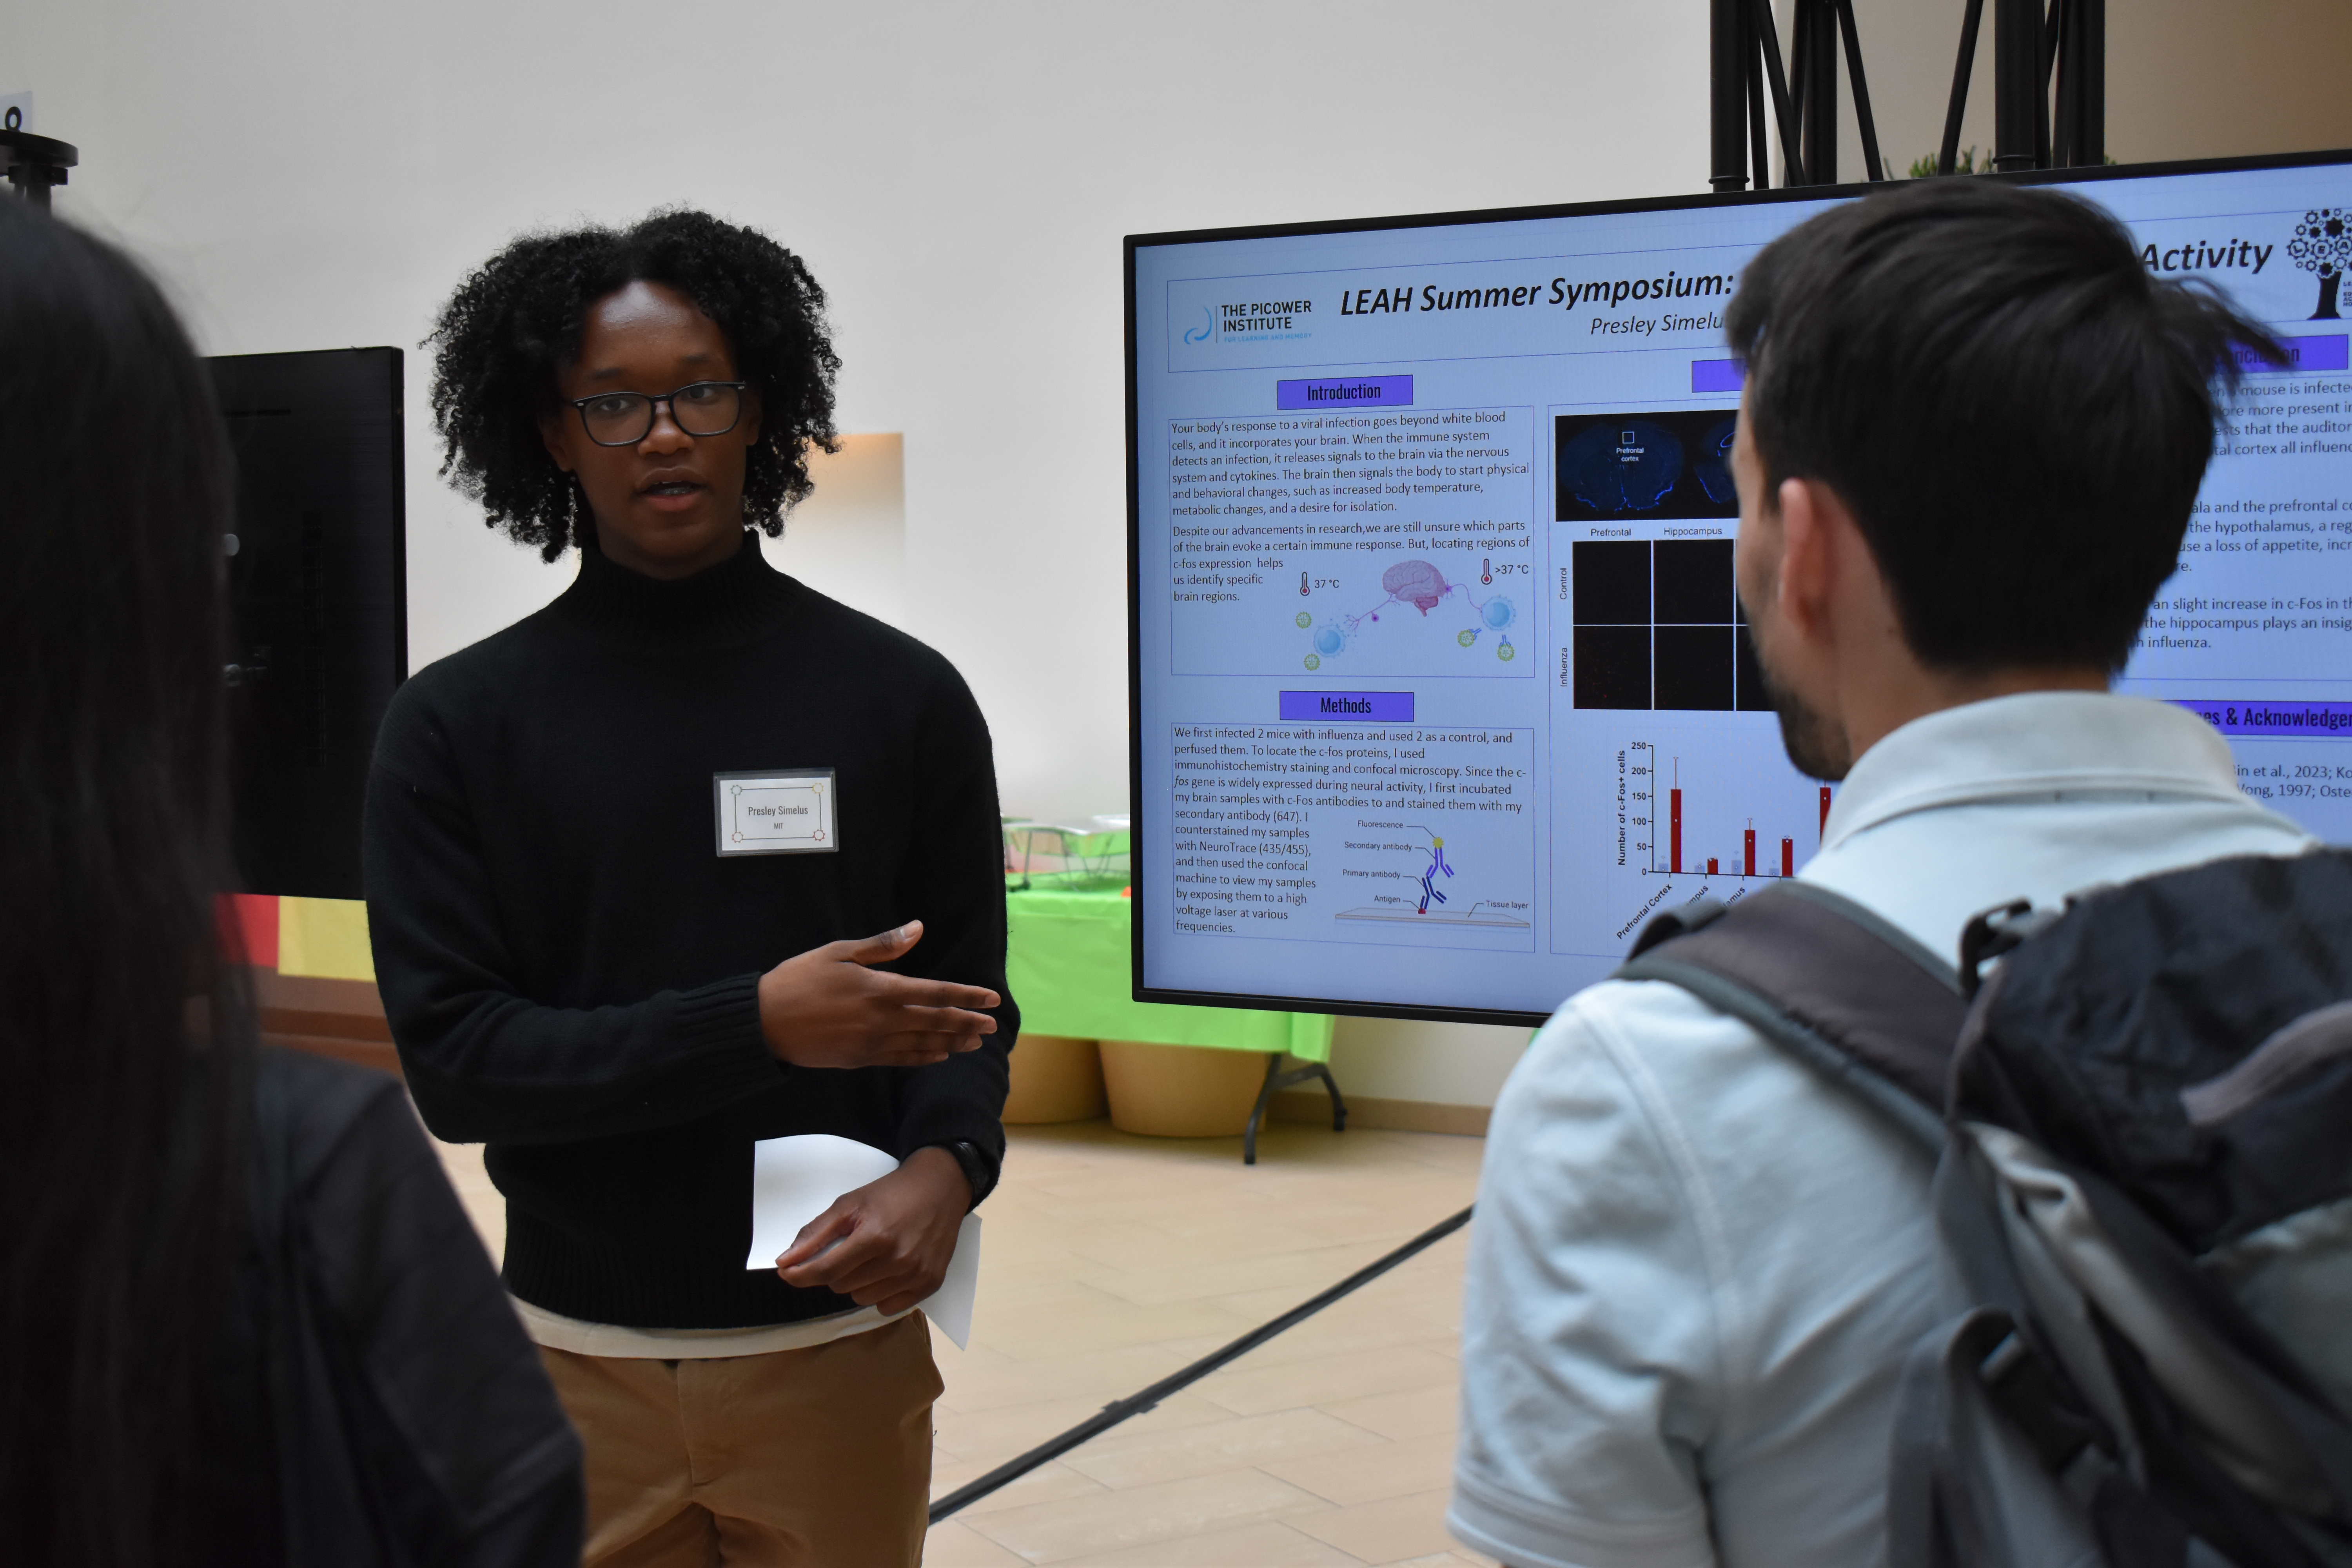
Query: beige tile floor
x=1110, y=1262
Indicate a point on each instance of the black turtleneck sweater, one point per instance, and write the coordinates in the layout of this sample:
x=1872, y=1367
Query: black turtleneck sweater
x=570, y=970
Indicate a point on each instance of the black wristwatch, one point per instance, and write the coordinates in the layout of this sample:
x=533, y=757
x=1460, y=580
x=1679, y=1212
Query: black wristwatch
x=978, y=1170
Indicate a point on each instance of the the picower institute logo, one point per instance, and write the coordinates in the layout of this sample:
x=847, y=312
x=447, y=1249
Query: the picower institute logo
x=2323, y=244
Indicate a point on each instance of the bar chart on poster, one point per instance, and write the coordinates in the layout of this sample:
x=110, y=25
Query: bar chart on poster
x=1683, y=807
x=1655, y=791
x=1442, y=686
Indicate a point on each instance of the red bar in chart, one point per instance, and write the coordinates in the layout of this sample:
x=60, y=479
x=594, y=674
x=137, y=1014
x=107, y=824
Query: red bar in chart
x=1665, y=850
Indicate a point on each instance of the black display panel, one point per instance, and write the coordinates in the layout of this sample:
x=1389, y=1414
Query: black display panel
x=318, y=580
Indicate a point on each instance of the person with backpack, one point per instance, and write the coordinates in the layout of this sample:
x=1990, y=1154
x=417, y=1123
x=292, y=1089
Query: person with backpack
x=244, y=1318
x=1782, y=1254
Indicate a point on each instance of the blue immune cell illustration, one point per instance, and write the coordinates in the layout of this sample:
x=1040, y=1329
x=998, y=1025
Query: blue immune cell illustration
x=1713, y=466
x=1629, y=465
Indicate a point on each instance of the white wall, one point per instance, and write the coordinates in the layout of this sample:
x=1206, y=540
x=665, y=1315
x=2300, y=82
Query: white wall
x=308, y=173
x=1445, y=1064
x=313, y=172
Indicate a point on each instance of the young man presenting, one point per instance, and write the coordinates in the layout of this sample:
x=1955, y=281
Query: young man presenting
x=1973, y=431
x=621, y=860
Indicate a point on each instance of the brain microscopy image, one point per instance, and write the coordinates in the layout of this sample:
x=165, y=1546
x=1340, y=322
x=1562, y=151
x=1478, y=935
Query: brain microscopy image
x=1653, y=464
x=1631, y=465
x=1711, y=464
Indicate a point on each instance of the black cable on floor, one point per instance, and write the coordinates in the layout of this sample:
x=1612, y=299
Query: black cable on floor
x=1111, y=1415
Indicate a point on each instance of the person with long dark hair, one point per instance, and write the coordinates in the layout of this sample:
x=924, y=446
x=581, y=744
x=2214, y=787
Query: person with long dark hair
x=242, y=1316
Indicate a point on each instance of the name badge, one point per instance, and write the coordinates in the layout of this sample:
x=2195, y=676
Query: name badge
x=788, y=812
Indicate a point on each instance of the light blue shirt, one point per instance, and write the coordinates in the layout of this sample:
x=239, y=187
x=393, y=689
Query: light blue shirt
x=1697, y=1265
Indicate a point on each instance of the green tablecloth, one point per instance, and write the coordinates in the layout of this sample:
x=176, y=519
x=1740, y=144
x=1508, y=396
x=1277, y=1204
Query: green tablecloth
x=1070, y=968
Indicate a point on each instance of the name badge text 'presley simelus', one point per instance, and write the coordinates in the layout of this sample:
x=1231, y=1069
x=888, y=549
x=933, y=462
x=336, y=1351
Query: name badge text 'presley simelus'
x=786, y=812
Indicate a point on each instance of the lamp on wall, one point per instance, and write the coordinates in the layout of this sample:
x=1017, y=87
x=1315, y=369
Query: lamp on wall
x=35, y=163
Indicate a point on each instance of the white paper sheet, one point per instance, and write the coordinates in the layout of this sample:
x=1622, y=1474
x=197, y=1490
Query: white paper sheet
x=794, y=1179
x=949, y=1306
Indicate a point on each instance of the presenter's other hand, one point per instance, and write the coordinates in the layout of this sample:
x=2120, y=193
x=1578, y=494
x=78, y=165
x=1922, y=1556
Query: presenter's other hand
x=829, y=1007
x=888, y=1244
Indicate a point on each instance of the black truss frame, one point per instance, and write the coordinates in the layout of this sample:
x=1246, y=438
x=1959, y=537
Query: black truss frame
x=2035, y=46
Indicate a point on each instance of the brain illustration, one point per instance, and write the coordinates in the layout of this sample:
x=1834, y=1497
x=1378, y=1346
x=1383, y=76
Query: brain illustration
x=1417, y=583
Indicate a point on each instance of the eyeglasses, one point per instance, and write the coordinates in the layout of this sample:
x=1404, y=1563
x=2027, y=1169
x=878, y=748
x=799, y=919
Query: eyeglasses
x=626, y=418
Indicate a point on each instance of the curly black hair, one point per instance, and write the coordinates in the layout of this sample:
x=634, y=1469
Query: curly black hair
x=512, y=327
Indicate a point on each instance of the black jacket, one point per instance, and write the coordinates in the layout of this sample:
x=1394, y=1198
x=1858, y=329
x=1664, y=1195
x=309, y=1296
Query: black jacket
x=376, y=1400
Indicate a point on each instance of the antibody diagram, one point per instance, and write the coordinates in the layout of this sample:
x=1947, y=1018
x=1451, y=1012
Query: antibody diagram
x=1409, y=909
x=1420, y=585
x=1428, y=878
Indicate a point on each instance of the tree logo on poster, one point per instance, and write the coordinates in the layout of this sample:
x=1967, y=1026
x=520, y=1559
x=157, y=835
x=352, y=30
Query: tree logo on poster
x=2323, y=244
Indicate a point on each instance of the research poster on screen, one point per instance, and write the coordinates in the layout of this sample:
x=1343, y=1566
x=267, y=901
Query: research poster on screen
x=1444, y=686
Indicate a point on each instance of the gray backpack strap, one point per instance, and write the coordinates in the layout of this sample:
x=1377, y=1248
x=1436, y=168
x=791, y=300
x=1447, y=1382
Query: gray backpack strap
x=1969, y=1486
x=1827, y=980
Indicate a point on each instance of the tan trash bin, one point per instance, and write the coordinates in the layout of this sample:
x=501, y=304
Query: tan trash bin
x=1179, y=1091
x=1055, y=1078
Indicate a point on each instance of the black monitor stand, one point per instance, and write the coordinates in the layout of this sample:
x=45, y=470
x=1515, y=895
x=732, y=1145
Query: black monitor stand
x=35, y=163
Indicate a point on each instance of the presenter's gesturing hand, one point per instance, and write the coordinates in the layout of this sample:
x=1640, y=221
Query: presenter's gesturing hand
x=888, y=1244
x=829, y=1008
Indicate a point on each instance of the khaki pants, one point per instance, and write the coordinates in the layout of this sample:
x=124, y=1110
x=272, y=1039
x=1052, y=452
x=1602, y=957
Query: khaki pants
x=808, y=1458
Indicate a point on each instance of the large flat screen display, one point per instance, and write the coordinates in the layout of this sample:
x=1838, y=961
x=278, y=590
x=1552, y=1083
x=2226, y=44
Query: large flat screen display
x=1440, y=686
